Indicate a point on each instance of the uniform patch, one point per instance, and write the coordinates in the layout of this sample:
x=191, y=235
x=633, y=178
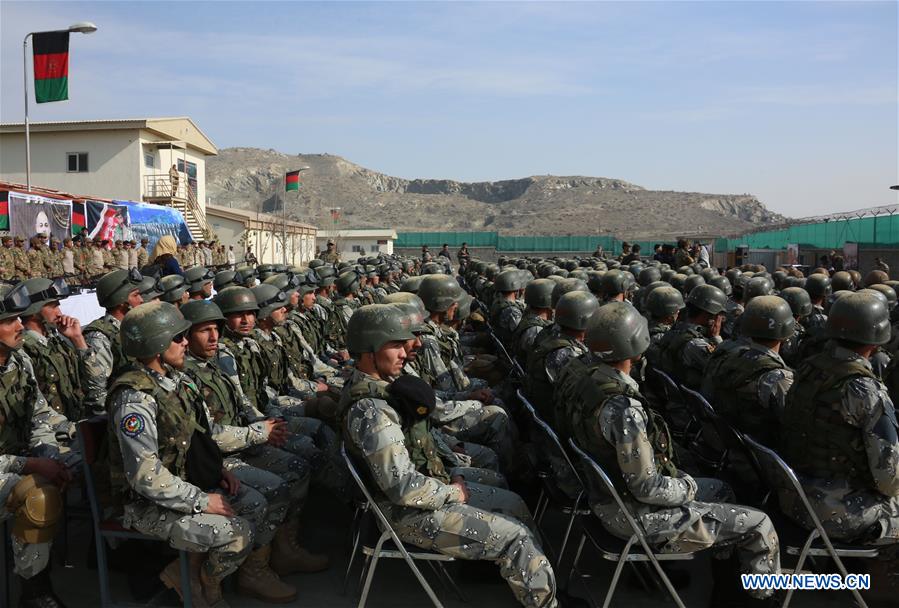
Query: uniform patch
x=133, y=425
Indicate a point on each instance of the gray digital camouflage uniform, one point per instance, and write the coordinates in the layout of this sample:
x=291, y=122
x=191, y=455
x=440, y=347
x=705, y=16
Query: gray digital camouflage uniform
x=429, y=514
x=97, y=367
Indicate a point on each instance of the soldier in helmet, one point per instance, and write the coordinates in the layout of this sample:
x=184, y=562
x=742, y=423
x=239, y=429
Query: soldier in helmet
x=143, y=256
x=801, y=307
x=819, y=288
x=663, y=307
x=840, y=433
x=32, y=471
x=7, y=260
x=687, y=347
x=174, y=289
x=555, y=346
x=117, y=292
x=21, y=263
x=605, y=413
x=348, y=285
x=746, y=379
x=199, y=280
x=36, y=257
x=538, y=315
x=507, y=309
x=330, y=254
x=387, y=435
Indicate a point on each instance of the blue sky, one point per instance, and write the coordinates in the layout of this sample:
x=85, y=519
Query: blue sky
x=795, y=102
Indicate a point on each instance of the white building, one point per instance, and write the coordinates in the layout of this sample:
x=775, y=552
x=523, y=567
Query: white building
x=352, y=244
x=263, y=234
x=115, y=159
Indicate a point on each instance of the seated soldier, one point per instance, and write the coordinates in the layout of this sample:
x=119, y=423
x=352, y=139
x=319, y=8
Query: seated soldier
x=539, y=314
x=507, y=309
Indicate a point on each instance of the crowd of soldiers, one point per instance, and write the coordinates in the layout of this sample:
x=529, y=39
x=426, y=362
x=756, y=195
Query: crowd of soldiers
x=82, y=261
x=227, y=397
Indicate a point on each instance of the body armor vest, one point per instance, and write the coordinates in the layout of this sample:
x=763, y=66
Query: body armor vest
x=120, y=362
x=539, y=388
x=274, y=362
x=177, y=415
x=528, y=321
x=817, y=440
x=670, y=355
x=219, y=392
x=17, y=396
x=250, y=368
x=335, y=327
x=310, y=329
x=56, y=369
x=290, y=333
x=730, y=384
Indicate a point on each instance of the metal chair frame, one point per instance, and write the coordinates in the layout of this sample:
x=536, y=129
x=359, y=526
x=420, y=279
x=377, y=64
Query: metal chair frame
x=704, y=415
x=501, y=350
x=626, y=554
x=672, y=394
x=399, y=551
x=767, y=455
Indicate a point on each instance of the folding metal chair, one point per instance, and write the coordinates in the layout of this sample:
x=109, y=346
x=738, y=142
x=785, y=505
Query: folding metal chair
x=93, y=434
x=501, y=351
x=779, y=476
x=5, y=547
x=671, y=405
x=601, y=490
x=706, y=445
x=398, y=550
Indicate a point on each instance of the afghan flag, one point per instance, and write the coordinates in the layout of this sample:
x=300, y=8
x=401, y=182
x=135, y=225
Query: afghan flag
x=292, y=181
x=78, y=219
x=51, y=66
x=4, y=210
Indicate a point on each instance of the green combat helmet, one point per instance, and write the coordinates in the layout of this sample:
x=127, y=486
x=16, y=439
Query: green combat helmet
x=411, y=284
x=649, y=275
x=767, y=318
x=439, y=292
x=13, y=301
x=372, y=326
x=197, y=278
x=615, y=282
x=575, y=308
x=757, y=286
x=236, y=299
x=799, y=301
x=663, y=302
x=269, y=299
x=721, y=283
x=224, y=279
x=246, y=276
x=202, y=311
x=818, y=286
x=149, y=329
x=406, y=298
x=42, y=291
x=692, y=281
x=861, y=318
x=564, y=286
x=708, y=298
x=539, y=293
x=617, y=332
x=286, y=283
x=886, y=290
x=347, y=283
x=842, y=280
x=509, y=280
x=149, y=289
x=173, y=288
x=113, y=287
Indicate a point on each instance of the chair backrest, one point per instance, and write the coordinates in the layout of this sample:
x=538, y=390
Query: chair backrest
x=504, y=353
x=551, y=451
x=698, y=405
x=92, y=436
x=669, y=386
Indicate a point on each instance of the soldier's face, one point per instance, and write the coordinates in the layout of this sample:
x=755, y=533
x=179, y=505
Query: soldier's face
x=11, y=334
x=412, y=347
x=174, y=354
x=390, y=359
x=203, y=339
x=7, y=244
x=241, y=322
x=294, y=299
x=309, y=300
x=50, y=313
x=279, y=315
x=134, y=299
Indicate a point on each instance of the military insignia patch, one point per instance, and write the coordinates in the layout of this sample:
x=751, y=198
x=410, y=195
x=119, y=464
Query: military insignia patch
x=133, y=425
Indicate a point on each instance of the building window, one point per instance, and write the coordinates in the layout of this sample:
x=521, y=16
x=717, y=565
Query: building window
x=149, y=160
x=357, y=248
x=76, y=162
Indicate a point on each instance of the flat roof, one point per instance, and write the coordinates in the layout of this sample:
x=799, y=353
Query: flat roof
x=176, y=128
x=360, y=232
x=244, y=215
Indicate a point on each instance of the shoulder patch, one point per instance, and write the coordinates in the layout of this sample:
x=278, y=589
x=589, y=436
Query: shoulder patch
x=133, y=425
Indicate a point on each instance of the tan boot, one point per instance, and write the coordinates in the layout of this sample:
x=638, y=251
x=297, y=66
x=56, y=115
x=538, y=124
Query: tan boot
x=212, y=590
x=288, y=557
x=256, y=579
x=171, y=578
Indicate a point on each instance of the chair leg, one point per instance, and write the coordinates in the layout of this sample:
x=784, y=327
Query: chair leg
x=622, y=559
x=800, y=562
x=421, y=579
x=452, y=582
x=658, y=567
x=186, y=594
x=102, y=568
x=574, y=509
x=371, y=570
x=357, y=535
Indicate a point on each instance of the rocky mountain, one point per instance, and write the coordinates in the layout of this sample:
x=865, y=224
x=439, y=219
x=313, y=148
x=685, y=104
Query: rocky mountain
x=251, y=178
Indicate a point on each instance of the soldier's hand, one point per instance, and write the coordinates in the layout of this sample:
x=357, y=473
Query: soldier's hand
x=277, y=431
x=484, y=395
x=219, y=505
x=70, y=327
x=343, y=356
x=715, y=326
x=463, y=489
x=52, y=470
x=321, y=387
x=230, y=483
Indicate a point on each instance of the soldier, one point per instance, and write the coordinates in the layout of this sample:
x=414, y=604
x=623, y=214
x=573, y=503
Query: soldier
x=97, y=268
x=615, y=285
x=174, y=289
x=21, y=261
x=32, y=472
x=68, y=260
x=746, y=379
x=109, y=261
x=167, y=469
x=54, y=256
x=35, y=254
x=554, y=346
x=117, y=292
x=507, y=310
x=840, y=432
x=426, y=506
x=330, y=254
x=200, y=281
x=343, y=306
x=801, y=307
x=7, y=259
x=56, y=346
x=143, y=256
x=609, y=418
x=682, y=255
x=539, y=314
x=687, y=347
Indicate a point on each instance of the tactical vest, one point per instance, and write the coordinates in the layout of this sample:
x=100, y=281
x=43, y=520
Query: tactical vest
x=670, y=354
x=589, y=389
x=275, y=362
x=250, y=368
x=56, y=369
x=538, y=387
x=334, y=326
x=816, y=439
x=177, y=415
x=310, y=328
x=528, y=321
x=17, y=397
x=219, y=393
x=730, y=384
x=120, y=362
x=290, y=332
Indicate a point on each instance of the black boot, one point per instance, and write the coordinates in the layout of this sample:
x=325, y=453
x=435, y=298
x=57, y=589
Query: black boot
x=727, y=590
x=37, y=592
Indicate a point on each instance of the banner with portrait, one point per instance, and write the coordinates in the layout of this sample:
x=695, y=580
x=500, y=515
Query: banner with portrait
x=31, y=214
x=152, y=221
x=850, y=256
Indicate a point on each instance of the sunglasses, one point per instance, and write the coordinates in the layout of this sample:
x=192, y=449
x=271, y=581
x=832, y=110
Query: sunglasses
x=16, y=300
x=278, y=298
x=57, y=290
x=180, y=337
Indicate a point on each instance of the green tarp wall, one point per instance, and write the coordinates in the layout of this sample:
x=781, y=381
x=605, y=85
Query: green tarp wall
x=584, y=243
x=882, y=230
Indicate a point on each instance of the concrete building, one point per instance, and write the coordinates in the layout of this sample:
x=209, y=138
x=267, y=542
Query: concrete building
x=352, y=244
x=116, y=159
x=262, y=233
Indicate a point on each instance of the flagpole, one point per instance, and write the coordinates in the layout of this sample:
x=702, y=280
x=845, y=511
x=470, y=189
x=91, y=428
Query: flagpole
x=27, y=125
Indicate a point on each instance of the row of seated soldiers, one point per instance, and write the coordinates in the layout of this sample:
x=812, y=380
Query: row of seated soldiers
x=225, y=412
x=804, y=365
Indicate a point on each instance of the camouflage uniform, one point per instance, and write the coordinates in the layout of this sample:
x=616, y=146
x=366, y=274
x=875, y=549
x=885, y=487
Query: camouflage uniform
x=104, y=361
x=507, y=316
x=57, y=370
x=36, y=267
x=22, y=265
x=55, y=257
x=684, y=352
x=330, y=258
x=839, y=435
x=609, y=418
x=7, y=260
x=143, y=258
x=732, y=312
x=427, y=511
x=120, y=257
x=526, y=333
x=552, y=350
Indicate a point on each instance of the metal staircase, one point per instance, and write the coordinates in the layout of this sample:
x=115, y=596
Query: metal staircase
x=159, y=191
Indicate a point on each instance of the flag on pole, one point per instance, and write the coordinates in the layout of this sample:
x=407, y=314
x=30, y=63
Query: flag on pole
x=292, y=181
x=51, y=66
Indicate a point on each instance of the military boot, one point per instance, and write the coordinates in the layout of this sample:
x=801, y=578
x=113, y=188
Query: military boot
x=37, y=592
x=212, y=590
x=171, y=578
x=288, y=557
x=255, y=578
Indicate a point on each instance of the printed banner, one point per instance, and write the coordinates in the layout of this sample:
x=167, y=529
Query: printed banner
x=152, y=221
x=30, y=214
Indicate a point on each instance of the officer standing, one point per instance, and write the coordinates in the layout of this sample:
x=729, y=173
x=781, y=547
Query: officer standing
x=31, y=471
x=143, y=256
x=330, y=255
